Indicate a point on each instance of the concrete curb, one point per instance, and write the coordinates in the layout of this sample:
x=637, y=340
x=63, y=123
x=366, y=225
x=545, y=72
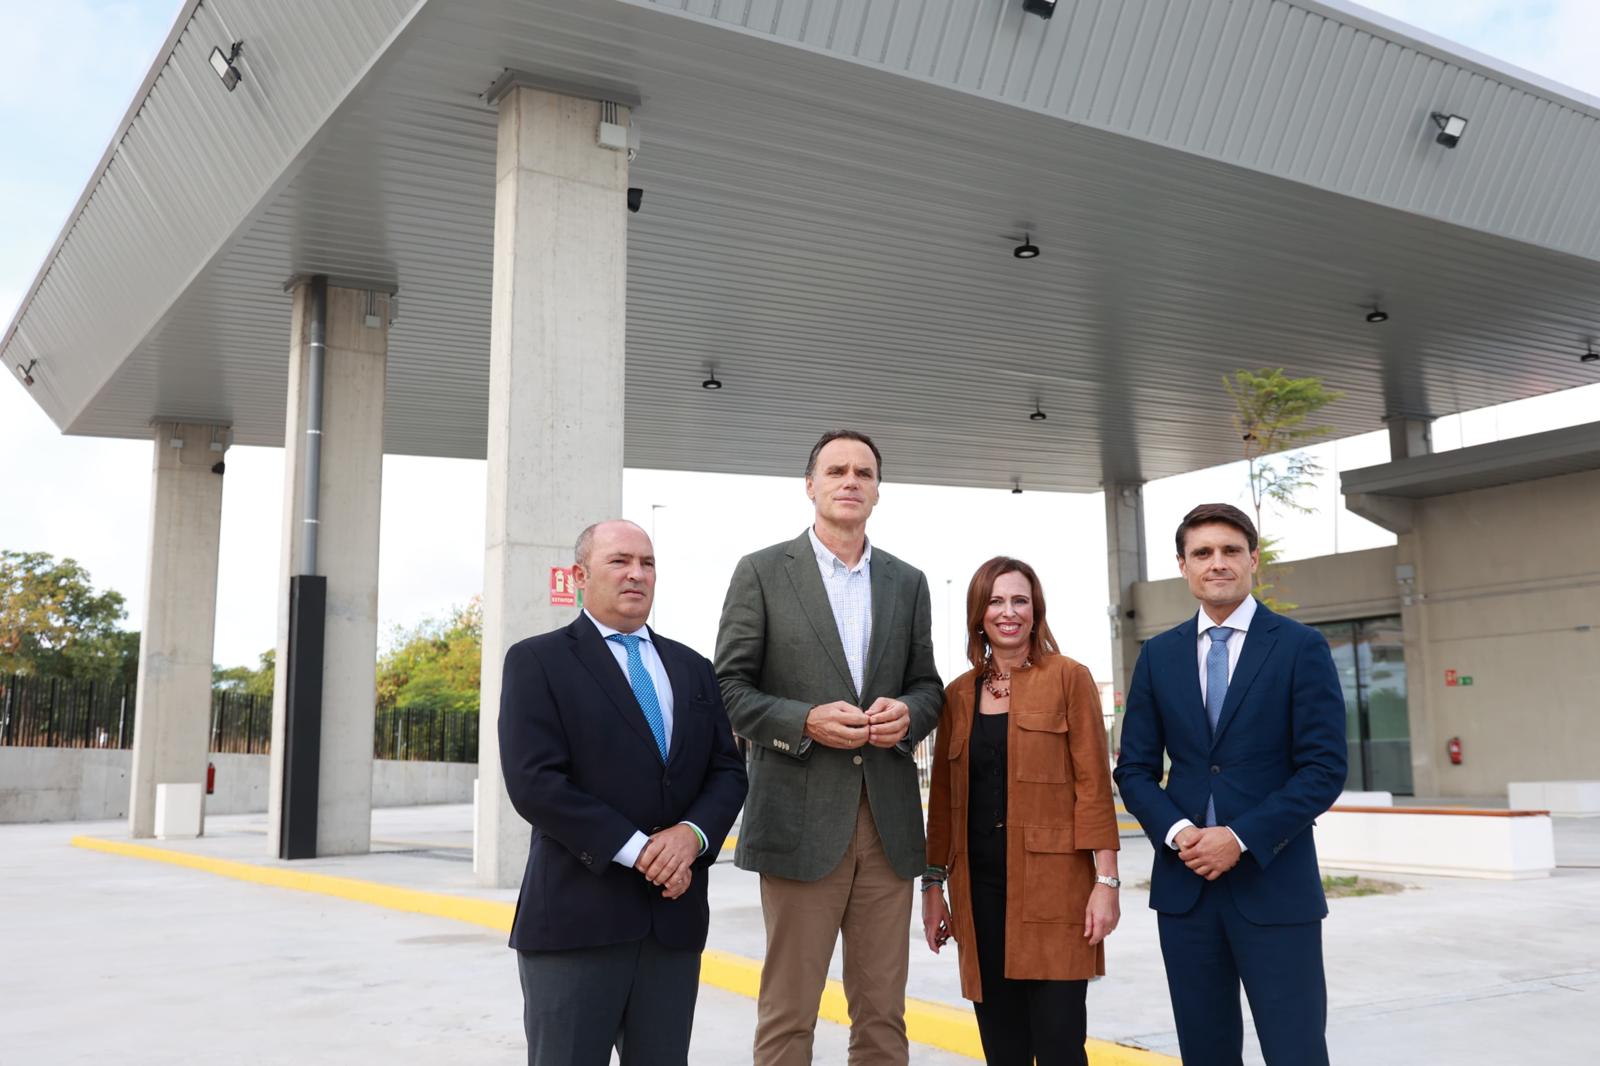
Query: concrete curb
x=931, y=1024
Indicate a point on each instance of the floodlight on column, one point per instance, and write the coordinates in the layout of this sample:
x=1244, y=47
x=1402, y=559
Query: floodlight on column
x=1043, y=8
x=1451, y=127
x=222, y=63
x=26, y=372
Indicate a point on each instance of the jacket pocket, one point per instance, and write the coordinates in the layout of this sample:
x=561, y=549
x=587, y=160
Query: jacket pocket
x=1055, y=876
x=1041, y=748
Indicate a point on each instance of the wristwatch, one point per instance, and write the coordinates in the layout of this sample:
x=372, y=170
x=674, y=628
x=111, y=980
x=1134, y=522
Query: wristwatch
x=1109, y=882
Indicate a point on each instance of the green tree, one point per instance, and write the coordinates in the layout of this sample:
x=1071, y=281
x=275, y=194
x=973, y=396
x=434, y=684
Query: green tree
x=435, y=664
x=54, y=623
x=1272, y=414
x=242, y=679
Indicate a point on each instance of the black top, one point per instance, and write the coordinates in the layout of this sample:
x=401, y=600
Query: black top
x=986, y=794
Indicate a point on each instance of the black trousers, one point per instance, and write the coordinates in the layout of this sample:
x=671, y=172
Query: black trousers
x=1021, y=1022
x=637, y=997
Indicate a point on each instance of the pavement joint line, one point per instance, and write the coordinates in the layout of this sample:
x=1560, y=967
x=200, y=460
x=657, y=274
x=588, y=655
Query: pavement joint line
x=932, y=1024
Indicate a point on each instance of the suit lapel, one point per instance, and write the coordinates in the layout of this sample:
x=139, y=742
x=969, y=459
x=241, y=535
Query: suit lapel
x=682, y=681
x=884, y=603
x=807, y=582
x=1258, y=643
x=1185, y=667
x=590, y=649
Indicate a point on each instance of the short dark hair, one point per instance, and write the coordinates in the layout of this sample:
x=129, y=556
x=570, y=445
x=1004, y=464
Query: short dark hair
x=843, y=434
x=1225, y=513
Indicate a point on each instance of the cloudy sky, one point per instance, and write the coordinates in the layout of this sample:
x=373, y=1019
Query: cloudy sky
x=68, y=69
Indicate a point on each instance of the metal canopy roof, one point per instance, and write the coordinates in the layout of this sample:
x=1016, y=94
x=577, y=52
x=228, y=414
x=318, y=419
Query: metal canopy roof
x=832, y=190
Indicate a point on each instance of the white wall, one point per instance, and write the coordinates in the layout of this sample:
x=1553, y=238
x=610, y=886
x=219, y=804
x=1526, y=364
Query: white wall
x=90, y=785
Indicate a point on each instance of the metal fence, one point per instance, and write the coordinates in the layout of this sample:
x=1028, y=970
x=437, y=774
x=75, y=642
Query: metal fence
x=432, y=734
x=51, y=712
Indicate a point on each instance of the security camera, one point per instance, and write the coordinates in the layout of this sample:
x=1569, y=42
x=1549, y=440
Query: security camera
x=635, y=198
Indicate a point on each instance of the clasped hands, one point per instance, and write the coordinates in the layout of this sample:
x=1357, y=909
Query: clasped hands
x=844, y=725
x=1209, y=852
x=667, y=859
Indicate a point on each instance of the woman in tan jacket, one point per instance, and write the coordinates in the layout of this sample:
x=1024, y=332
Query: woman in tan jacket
x=1022, y=825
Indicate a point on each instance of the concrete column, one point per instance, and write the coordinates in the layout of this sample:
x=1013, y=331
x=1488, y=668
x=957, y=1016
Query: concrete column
x=555, y=395
x=1409, y=435
x=1125, y=565
x=172, y=719
x=349, y=492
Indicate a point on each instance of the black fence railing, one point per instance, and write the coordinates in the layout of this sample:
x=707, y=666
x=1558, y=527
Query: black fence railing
x=49, y=712
x=432, y=735
x=52, y=712
x=241, y=723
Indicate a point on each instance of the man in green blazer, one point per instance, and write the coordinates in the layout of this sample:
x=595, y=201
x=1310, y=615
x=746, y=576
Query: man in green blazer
x=825, y=657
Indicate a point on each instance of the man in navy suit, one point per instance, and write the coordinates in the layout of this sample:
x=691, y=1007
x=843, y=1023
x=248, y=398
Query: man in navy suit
x=616, y=749
x=1246, y=705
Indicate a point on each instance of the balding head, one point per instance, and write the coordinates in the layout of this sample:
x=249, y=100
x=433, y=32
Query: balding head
x=616, y=569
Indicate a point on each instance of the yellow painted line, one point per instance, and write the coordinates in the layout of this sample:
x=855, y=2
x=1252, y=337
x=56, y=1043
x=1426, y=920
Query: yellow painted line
x=933, y=1024
x=1130, y=827
x=489, y=913
x=729, y=844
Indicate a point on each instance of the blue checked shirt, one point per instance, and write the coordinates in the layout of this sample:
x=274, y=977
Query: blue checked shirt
x=850, y=595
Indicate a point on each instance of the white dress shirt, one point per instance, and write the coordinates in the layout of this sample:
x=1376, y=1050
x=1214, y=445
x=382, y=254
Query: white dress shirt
x=658, y=677
x=1239, y=622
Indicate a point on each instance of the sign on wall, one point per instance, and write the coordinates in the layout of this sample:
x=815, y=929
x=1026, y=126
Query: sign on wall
x=563, y=590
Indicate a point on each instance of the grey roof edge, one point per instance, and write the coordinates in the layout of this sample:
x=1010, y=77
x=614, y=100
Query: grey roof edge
x=286, y=174
x=163, y=55
x=1453, y=52
x=1551, y=453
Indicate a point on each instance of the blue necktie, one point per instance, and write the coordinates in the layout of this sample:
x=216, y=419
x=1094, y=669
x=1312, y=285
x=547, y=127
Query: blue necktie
x=644, y=690
x=1216, y=691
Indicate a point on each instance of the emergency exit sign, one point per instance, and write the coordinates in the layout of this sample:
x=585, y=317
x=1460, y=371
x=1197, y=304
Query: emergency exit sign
x=1453, y=679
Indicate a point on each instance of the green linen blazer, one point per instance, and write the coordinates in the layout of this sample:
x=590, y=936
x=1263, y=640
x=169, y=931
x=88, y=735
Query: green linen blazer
x=779, y=655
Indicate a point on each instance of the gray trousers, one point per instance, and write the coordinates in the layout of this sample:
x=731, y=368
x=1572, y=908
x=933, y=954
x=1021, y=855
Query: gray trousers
x=637, y=997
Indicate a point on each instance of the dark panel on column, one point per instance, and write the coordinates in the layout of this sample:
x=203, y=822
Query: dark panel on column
x=302, y=730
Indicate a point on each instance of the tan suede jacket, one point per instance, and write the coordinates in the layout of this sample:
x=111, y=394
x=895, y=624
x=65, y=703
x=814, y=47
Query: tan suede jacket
x=1059, y=810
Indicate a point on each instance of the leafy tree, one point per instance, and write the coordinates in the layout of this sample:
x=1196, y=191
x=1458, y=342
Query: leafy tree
x=1272, y=413
x=242, y=679
x=54, y=623
x=435, y=665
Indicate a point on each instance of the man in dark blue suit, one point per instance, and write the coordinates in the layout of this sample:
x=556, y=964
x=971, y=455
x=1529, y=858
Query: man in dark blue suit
x=1246, y=705
x=616, y=749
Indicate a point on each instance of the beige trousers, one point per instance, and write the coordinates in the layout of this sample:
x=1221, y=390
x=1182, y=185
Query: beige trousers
x=871, y=905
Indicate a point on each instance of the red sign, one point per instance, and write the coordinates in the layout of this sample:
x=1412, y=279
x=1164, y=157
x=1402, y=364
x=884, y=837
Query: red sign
x=1450, y=678
x=563, y=592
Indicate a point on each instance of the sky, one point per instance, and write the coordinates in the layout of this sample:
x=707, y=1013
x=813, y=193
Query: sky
x=69, y=68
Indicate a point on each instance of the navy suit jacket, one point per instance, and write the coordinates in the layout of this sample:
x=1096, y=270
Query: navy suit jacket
x=1276, y=761
x=582, y=767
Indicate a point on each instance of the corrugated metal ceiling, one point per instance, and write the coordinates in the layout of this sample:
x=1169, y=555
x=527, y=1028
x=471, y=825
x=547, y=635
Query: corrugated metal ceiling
x=829, y=190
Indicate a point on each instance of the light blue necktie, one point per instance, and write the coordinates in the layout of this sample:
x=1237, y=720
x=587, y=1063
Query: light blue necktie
x=644, y=690
x=1216, y=691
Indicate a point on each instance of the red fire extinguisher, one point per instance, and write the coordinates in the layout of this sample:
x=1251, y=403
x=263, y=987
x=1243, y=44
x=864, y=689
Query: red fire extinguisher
x=1454, y=748
x=211, y=778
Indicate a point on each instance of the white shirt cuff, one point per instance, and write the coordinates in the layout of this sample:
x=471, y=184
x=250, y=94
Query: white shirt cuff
x=630, y=851
x=1183, y=823
x=700, y=836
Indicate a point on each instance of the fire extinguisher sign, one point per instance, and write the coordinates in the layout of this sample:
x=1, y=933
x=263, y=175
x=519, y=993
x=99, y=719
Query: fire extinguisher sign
x=1450, y=679
x=563, y=592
